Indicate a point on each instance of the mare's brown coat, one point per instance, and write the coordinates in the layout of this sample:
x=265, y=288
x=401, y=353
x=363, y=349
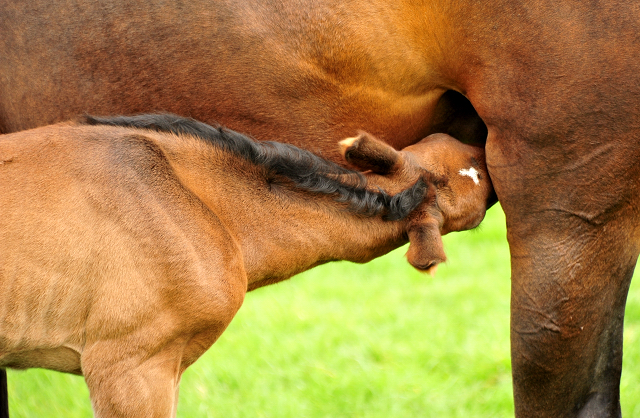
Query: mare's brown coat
x=556, y=82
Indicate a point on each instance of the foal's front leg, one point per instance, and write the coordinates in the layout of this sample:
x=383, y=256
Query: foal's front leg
x=140, y=385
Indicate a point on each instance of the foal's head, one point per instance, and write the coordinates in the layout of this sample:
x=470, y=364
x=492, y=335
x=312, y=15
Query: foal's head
x=459, y=173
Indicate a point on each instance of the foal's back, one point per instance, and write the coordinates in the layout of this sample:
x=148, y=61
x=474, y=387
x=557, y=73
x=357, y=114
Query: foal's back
x=148, y=246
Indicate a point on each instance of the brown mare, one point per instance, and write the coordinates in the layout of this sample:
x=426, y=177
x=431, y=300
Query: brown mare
x=551, y=86
x=125, y=252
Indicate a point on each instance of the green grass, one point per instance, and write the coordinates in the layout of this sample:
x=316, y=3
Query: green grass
x=347, y=340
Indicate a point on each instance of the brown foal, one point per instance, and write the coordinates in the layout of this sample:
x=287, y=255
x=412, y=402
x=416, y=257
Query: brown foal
x=127, y=244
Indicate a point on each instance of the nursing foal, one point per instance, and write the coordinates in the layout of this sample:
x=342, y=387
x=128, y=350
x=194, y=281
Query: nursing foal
x=127, y=244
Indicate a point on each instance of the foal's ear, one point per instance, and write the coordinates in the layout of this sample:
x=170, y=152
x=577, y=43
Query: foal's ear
x=366, y=152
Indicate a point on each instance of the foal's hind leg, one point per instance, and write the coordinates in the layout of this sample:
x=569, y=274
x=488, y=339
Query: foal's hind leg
x=135, y=386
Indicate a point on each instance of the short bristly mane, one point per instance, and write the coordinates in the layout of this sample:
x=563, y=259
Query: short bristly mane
x=305, y=169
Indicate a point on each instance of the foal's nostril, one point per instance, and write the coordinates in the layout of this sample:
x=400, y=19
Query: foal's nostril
x=427, y=265
x=429, y=268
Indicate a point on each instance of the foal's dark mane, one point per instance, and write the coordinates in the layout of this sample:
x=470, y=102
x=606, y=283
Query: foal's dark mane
x=305, y=169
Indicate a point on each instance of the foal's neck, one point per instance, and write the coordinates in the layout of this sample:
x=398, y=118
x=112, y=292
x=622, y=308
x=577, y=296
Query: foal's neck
x=281, y=230
x=294, y=233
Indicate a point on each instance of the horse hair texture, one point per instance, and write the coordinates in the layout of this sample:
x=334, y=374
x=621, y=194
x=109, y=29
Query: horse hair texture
x=306, y=170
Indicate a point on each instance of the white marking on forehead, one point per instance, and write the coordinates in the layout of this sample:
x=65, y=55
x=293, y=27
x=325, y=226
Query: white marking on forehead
x=471, y=172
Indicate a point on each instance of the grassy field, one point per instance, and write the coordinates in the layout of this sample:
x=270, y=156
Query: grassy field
x=347, y=340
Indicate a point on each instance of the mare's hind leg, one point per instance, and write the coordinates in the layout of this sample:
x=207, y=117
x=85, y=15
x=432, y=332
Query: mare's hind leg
x=136, y=385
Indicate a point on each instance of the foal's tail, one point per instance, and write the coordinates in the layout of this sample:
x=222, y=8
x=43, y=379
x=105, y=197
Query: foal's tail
x=4, y=395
